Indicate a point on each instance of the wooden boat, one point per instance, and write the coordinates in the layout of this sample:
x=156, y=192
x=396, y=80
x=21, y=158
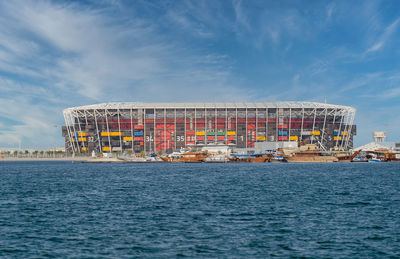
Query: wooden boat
x=238, y=158
x=260, y=158
x=188, y=157
x=347, y=158
x=384, y=156
x=256, y=158
x=392, y=156
x=309, y=154
x=311, y=158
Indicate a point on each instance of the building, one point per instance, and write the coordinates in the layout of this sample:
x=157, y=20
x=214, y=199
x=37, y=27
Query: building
x=379, y=143
x=153, y=127
x=379, y=136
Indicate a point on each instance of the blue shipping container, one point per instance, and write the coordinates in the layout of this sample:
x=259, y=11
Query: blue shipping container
x=138, y=133
x=282, y=133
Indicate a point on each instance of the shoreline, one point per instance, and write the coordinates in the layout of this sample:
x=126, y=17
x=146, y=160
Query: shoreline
x=115, y=160
x=27, y=159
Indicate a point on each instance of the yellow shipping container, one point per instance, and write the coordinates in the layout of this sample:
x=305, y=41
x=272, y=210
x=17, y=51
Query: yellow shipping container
x=82, y=134
x=84, y=149
x=337, y=138
x=200, y=133
x=106, y=149
x=293, y=138
x=81, y=139
x=112, y=134
x=127, y=138
x=344, y=132
x=231, y=133
x=317, y=133
x=260, y=137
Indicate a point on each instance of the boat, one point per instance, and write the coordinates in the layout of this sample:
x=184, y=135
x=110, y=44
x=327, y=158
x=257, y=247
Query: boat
x=377, y=156
x=347, y=158
x=392, y=156
x=309, y=154
x=385, y=155
x=359, y=159
x=260, y=158
x=253, y=158
x=217, y=158
x=187, y=157
x=238, y=158
x=373, y=160
x=277, y=156
x=277, y=159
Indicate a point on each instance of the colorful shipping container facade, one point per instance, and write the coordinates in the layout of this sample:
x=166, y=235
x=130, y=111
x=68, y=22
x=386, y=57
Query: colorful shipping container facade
x=148, y=127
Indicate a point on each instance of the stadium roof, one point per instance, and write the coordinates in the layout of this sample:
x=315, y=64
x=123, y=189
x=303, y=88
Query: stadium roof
x=202, y=105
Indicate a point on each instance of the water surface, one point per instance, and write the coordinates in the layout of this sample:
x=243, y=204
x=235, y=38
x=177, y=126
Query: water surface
x=60, y=209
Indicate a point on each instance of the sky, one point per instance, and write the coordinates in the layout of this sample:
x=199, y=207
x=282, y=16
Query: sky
x=60, y=54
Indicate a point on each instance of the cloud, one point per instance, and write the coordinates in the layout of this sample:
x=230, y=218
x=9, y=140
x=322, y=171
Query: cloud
x=385, y=36
x=241, y=17
x=58, y=55
x=330, y=9
x=34, y=126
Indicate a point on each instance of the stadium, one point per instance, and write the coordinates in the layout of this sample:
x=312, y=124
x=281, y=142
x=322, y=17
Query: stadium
x=153, y=127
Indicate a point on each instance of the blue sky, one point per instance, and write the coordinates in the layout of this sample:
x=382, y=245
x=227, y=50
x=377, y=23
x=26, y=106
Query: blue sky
x=59, y=54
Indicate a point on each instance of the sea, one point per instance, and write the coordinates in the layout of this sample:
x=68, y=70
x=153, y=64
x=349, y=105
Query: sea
x=232, y=210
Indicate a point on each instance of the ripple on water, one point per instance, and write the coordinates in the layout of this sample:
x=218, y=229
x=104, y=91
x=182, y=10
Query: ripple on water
x=56, y=209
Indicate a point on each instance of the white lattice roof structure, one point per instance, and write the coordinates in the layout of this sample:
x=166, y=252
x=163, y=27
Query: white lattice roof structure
x=203, y=105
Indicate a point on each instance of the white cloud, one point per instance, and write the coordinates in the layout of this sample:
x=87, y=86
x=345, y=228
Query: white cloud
x=389, y=93
x=330, y=9
x=385, y=36
x=34, y=125
x=241, y=17
x=67, y=55
x=54, y=55
x=376, y=46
